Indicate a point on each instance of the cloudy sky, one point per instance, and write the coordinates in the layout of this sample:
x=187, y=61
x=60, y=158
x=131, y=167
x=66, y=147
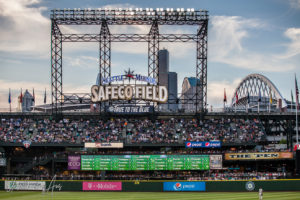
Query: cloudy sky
x=245, y=36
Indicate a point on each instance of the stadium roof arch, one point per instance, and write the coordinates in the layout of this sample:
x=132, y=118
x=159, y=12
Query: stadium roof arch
x=255, y=87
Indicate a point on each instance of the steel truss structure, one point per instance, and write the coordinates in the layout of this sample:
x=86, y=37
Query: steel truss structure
x=106, y=17
x=254, y=87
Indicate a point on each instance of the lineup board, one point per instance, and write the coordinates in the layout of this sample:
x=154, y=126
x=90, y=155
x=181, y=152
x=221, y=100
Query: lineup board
x=145, y=162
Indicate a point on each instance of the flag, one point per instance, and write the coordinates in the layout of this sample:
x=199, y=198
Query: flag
x=45, y=97
x=297, y=92
x=248, y=98
x=33, y=96
x=225, y=98
x=236, y=98
x=21, y=96
x=9, y=97
x=271, y=99
x=259, y=97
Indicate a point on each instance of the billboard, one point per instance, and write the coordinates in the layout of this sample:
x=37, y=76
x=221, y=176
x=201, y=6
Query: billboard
x=184, y=186
x=259, y=156
x=74, y=162
x=120, y=109
x=102, y=186
x=25, y=185
x=207, y=144
x=215, y=161
x=2, y=161
x=144, y=162
x=103, y=145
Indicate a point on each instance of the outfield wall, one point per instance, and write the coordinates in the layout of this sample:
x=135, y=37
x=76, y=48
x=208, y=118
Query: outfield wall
x=161, y=186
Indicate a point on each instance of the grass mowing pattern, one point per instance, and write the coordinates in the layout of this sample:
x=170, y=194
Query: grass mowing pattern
x=17, y=195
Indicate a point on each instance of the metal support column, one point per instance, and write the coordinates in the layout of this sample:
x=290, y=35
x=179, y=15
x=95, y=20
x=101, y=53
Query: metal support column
x=56, y=69
x=105, y=55
x=153, y=48
x=201, y=68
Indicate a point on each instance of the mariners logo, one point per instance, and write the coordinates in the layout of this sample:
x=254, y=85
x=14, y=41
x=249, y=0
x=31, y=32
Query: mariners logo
x=250, y=186
x=26, y=143
x=177, y=186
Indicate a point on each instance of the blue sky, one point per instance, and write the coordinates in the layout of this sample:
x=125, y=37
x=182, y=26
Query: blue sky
x=245, y=36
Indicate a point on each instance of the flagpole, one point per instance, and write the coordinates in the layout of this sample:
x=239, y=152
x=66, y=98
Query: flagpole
x=9, y=101
x=296, y=107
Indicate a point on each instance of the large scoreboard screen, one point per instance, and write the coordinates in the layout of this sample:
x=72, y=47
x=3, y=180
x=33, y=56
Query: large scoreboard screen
x=145, y=162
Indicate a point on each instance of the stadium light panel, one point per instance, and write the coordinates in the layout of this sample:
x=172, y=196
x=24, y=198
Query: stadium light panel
x=168, y=9
x=192, y=10
x=189, y=10
x=182, y=10
x=171, y=9
x=130, y=9
x=178, y=9
x=151, y=9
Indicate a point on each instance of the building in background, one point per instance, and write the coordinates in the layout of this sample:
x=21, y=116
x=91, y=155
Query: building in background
x=188, y=93
x=173, y=93
x=168, y=79
x=27, y=102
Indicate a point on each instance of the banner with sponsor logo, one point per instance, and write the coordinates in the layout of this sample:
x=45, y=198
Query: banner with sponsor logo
x=103, y=145
x=2, y=161
x=215, y=161
x=25, y=185
x=117, y=109
x=259, y=156
x=102, y=186
x=212, y=144
x=74, y=162
x=184, y=186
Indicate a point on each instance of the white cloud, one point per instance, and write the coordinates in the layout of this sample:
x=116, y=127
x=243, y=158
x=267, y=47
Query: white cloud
x=293, y=48
x=216, y=92
x=226, y=45
x=24, y=29
x=295, y=4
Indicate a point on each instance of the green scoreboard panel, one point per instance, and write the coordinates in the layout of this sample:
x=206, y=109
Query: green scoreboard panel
x=145, y=162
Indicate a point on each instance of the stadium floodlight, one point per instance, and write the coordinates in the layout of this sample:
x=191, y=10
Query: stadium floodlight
x=161, y=9
x=141, y=9
x=120, y=9
x=157, y=9
x=168, y=9
x=189, y=10
x=148, y=13
x=171, y=9
x=182, y=10
x=130, y=9
x=147, y=9
x=192, y=10
x=136, y=9
x=153, y=13
x=151, y=9
x=178, y=9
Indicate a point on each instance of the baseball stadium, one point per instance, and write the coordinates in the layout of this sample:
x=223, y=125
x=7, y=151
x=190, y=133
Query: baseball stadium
x=136, y=136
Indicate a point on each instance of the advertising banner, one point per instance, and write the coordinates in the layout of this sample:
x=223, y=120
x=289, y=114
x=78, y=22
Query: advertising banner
x=74, y=162
x=215, y=161
x=25, y=185
x=102, y=186
x=213, y=144
x=2, y=161
x=259, y=156
x=103, y=145
x=184, y=186
x=117, y=109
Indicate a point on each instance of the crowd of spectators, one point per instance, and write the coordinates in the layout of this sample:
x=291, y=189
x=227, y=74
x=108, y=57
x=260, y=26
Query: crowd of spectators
x=131, y=130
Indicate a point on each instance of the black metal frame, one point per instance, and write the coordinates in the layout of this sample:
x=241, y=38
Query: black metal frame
x=127, y=17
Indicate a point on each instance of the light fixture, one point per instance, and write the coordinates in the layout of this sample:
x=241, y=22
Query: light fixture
x=168, y=9
x=192, y=10
x=182, y=9
x=178, y=9
x=151, y=9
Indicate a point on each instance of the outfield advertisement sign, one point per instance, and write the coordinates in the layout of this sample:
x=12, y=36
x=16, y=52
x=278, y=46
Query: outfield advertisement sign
x=102, y=186
x=118, y=109
x=212, y=144
x=74, y=162
x=2, y=161
x=259, y=156
x=103, y=145
x=215, y=162
x=25, y=185
x=184, y=186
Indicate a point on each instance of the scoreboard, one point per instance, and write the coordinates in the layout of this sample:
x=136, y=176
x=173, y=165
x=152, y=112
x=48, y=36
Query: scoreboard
x=145, y=162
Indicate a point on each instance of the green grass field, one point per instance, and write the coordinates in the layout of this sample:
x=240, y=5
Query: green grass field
x=15, y=195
